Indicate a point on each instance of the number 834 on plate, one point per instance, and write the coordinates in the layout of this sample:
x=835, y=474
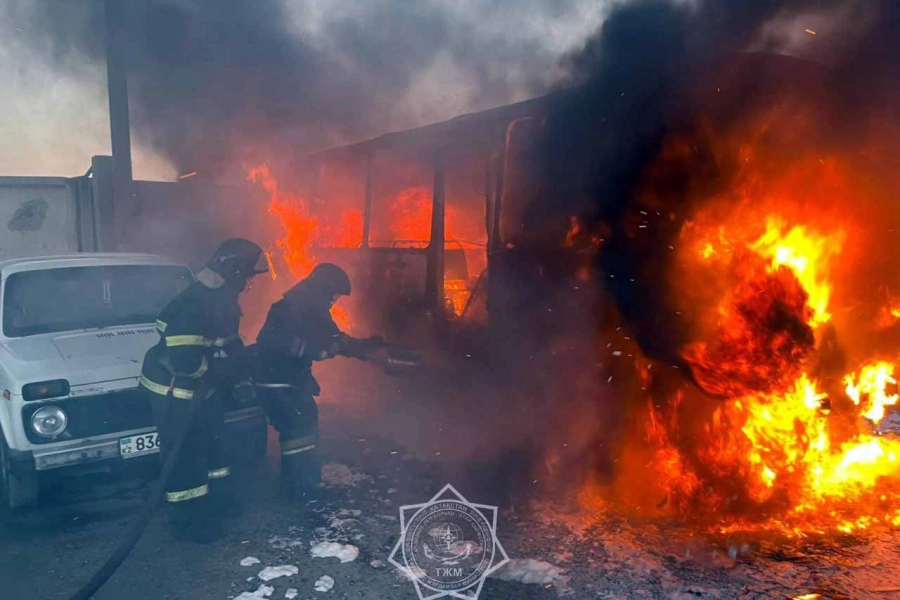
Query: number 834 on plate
x=139, y=445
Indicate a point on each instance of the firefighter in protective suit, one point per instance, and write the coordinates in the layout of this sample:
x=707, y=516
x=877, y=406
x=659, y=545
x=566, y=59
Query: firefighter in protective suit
x=299, y=330
x=185, y=378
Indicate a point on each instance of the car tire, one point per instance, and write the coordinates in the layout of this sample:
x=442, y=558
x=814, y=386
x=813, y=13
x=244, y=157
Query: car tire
x=17, y=490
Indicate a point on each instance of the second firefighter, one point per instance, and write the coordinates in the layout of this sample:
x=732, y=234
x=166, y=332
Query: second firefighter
x=299, y=330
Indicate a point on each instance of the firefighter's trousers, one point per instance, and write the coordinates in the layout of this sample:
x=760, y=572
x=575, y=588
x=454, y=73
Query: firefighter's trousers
x=202, y=466
x=293, y=413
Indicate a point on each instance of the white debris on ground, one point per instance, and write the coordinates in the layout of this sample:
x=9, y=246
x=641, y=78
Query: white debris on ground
x=249, y=561
x=376, y=564
x=291, y=593
x=529, y=570
x=345, y=552
x=324, y=584
x=336, y=474
x=263, y=591
x=342, y=525
x=344, y=518
x=280, y=543
x=270, y=573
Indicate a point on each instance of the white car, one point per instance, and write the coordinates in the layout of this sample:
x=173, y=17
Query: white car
x=73, y=333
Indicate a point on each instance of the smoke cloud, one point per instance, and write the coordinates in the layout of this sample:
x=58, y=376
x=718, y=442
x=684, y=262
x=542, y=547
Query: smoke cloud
x=216, y=84
x=642, y=75
x=54, y=106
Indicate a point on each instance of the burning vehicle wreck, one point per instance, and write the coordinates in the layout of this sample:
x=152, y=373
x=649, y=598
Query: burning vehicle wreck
x=741, y=268
x=644, y=320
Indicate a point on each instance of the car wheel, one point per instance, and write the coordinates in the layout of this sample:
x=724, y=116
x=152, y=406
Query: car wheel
x=17, y=490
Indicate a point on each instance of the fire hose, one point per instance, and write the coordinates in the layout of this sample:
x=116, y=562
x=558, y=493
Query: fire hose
x=144, y=516
x=400, y=361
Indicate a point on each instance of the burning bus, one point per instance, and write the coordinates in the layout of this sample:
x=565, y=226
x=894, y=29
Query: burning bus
x=712, y=249
x=431, y=223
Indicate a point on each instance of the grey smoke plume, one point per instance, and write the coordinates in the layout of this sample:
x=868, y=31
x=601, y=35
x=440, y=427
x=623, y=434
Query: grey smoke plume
x=216, y=83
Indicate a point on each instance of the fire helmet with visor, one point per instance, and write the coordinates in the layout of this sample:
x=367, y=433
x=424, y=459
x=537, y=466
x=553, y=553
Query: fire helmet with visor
x=236, y=261
x=330, y=279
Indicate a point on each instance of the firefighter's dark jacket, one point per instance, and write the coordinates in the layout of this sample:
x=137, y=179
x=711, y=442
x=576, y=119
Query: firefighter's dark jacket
x=192, y=327
x=299, y=330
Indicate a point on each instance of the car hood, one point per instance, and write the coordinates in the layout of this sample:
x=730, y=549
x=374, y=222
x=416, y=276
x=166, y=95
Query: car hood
x=81, y=358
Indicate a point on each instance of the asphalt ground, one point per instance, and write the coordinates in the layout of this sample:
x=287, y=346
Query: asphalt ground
x=388, y=443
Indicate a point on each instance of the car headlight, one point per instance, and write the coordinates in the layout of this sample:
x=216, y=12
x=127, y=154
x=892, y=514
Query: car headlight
x=49, y=421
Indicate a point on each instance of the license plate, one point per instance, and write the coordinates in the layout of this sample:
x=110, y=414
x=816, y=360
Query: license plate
x=139, y=445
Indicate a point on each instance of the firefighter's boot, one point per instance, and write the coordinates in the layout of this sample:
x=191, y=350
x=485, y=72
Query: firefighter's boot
x=223, y=494
x=195, y=521
x=301, y=468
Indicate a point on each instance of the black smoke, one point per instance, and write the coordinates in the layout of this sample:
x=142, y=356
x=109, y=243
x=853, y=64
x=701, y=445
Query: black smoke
x=643, y=78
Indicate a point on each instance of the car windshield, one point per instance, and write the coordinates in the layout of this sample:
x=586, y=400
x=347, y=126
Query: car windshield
x=67, y=299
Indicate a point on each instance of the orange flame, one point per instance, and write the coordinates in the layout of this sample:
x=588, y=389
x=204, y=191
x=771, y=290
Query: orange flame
x=890, y=313
x=457, y=293
x=410, y=215
x=807, y=255
x=301, y=232
x=406, y=218
x=795, y=444
x=868, y=389
x=573, y=232
x=779, y=441
x=346, y=233
x=293, y=215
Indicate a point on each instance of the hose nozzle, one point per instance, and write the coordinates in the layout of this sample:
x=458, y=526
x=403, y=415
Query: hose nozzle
x=402, y=361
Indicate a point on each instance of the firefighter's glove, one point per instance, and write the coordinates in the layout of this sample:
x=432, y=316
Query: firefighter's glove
x=334, y=347
x=205, y=390
x=357, y=348
x=231, y=345
x=344, y=345
x=380, y=357
x=297, y=347
x=373, y=348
